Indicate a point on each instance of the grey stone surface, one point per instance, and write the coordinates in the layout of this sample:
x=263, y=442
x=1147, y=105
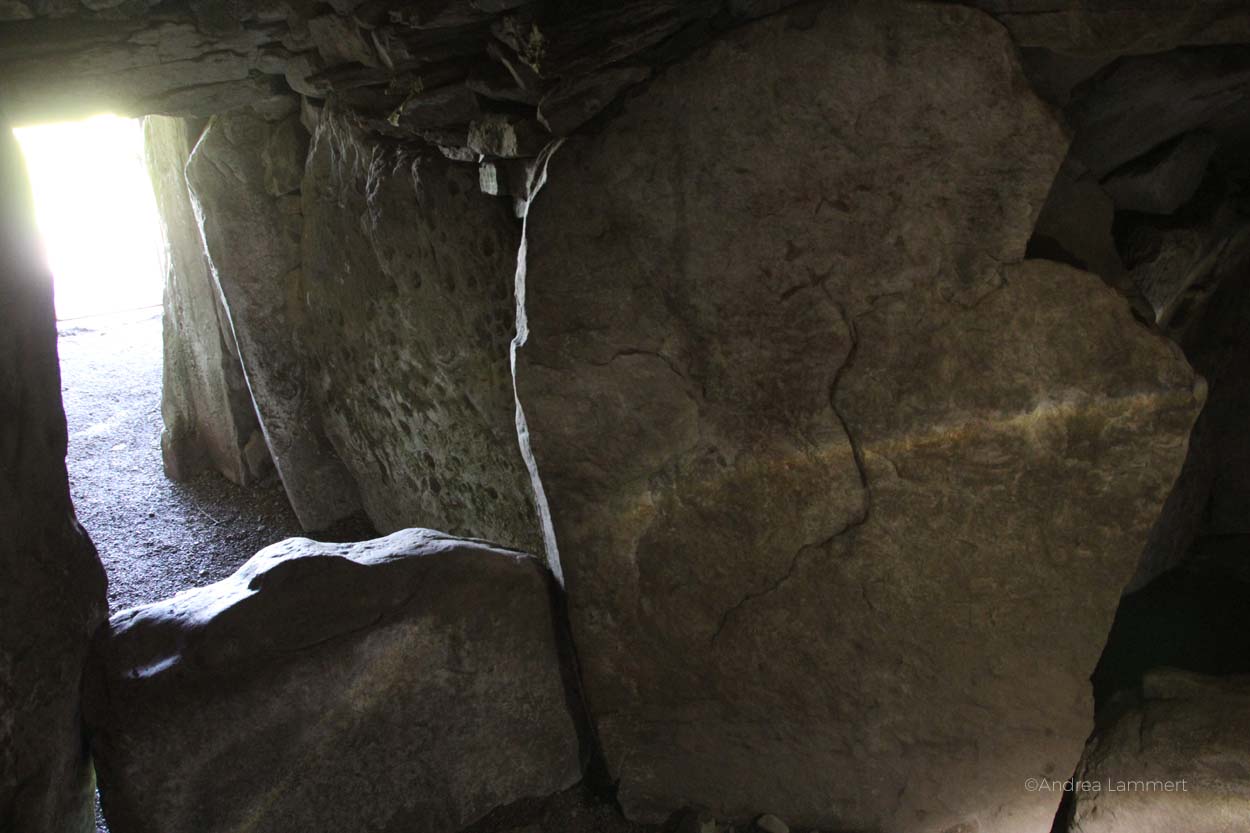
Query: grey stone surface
x=1166, y=179
x=572, y=103
x=1075, y=225
x=1140, y=103
x=1110, y=27
x=407, y=317
x=818, y=449
x=52, y=587
x=1173, y=760
x=410, y=683
x=205, y=404
x=241, y=179
x=1197, y=275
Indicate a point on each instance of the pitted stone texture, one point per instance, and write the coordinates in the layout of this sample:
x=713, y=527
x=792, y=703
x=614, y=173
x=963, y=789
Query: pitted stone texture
x=408, y=683
x=816, y=454
x=205, y=403
x=408, y=316
x=1175, y=759
x=52, y=587
x=241, y=182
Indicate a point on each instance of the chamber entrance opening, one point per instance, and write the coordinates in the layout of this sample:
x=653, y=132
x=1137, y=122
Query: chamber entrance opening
x=96, y=214
x=104, y=243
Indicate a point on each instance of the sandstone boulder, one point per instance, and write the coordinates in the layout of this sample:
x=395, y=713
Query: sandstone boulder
x=408, y=314
x=52, y=587
x=205, y=403
x=1175, y=760
x=408, y=683
x=817, y=448
x=248, y=206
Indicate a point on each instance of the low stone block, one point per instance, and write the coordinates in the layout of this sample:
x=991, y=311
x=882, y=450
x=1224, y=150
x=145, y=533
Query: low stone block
x=408, y=683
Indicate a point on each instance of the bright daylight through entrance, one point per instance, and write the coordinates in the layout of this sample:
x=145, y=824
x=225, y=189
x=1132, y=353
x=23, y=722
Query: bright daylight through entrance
x=104, y=243
x=96, y=214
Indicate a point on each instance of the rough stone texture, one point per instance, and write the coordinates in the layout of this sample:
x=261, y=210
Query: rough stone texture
x=1196, y=270
x=1185, y=728
x=1120, y=26
x=816, y=454
x=1140, y=103
x=408, y=683
x=52, y=588
x=409, y=313
x=1194, y=618
x=205, y=403
x=1163, y=181
x=1075, y=226
x=155, y=62
x=245, y=191
x=416, y=69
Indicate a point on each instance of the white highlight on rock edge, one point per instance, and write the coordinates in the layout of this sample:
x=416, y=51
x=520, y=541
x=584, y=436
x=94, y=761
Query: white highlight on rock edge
x=536, y=180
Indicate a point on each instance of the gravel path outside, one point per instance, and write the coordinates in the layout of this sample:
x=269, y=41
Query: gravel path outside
x=155, y=536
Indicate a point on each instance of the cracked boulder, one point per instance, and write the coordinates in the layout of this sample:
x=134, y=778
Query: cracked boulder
x=1171, y=758
x=818, y=448
x=413, y=683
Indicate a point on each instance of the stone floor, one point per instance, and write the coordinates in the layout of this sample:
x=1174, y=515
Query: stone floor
x=155, y=536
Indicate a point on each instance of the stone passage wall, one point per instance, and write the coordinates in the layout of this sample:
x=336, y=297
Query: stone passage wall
x=245, y=177
x=205, y=403
x=819, y=447
x=52, y=589
x=373, y=314
x=407, y=315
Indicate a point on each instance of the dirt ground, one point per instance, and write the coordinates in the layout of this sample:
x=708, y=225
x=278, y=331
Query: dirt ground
x=155, y=536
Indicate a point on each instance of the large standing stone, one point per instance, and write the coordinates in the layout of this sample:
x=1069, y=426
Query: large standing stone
x=408, y=683
x=409, y=312
x=244, y=179
x=205, y=403
x=52, y=587
x=844, y=494
x=1174, y=760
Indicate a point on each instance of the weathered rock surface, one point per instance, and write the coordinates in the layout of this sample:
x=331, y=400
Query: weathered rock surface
x=1120, y=26
x=1193, y=618
x=1140, y=103
x=1196, y=272
x=1075, y=226
x=408, y=683
x=1164, y=180
x=244, y=180
x=816, y=453
x=1175, y=760
x=408, y=69
x=52, y=588
x=205, y=403
x=408, y=314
